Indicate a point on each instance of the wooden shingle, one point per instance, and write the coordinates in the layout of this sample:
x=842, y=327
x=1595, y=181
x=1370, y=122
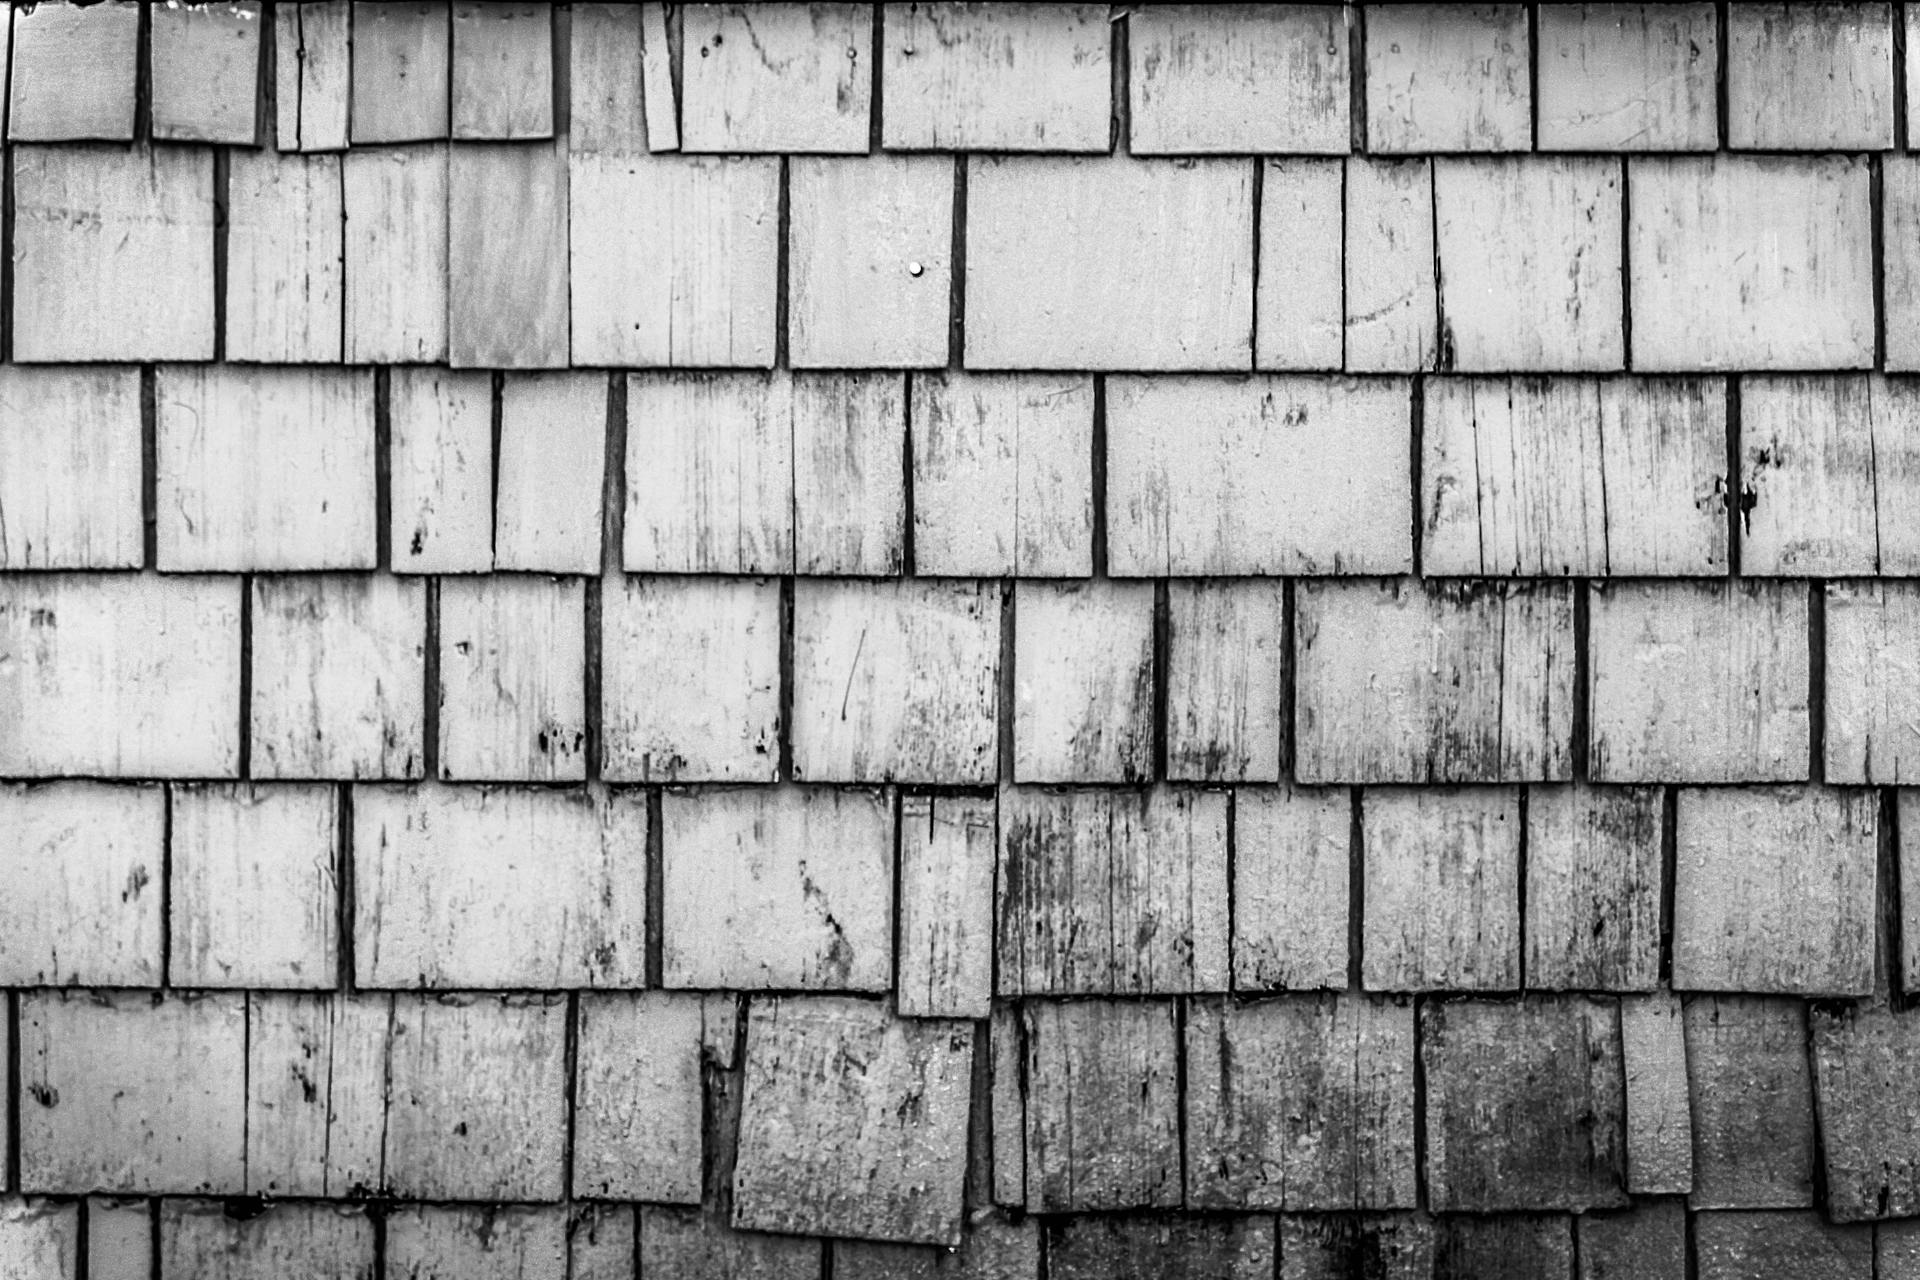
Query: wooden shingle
x=1650, y=1239
x=1594, y=888
x=1628, y=77
x=285, y=258
x=1334, y=1247
x=1226, y=679
x=1161, y=1247
x=994, y=1248
x=1503, y=1246
x=1659, y=1110
x=948, y=849
x=1103, y=1105
x=1083, y=682
x=1292, y=878
x=1866, y=1066
x=396, y=254
x=483, y=1242
x=550, y=470
x=207, y=73
x=84, y=864
x=502, y=71
x=512, y=695
x=849, y=477
x=74, y=72
x=1441, y=889
x=202, y=1239
x=1732, y=1246
x=1448, y=78
x=1299, y=319
x=507, y=255
x=42, y=1238
x=995, y=77
x=400, y=64
x=1810, y=77
x=779, y=78
x=606, y=108
x=440, y=456
x=1753, y=1120
x=313, y=74
x=689, y=1242
x=317, y=1094
x=1238, y=78
x=1392, y=291
x=637, y=1100
x=70, y=468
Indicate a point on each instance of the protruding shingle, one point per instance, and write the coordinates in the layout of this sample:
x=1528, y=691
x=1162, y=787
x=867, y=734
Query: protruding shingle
x=200, y=1238
x=1448, y=78
x=1594, y=888
x=1814, y=77
x=317, y=1094
x=502, y=71
x=1392, y=294
x=84, y=864
x=779, y=77
x=285, y=264
x=401, y=58
x=637, y=1097
x=995, y=77
x=1628, y=77
x=1103, y=1105
x=1083, y=669
x=70, y=468
x=208, y=81
x=1226, y=680
x=1753, y=1127
x=948, y=850
x=75, y=72
x=512, y=695
x=1292, y=881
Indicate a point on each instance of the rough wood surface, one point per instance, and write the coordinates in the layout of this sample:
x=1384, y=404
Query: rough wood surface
x=783, y=78
x=1866, y=1066
x=1291, y=882
x=1900, y=266
x=995, y=77
x=202, y=1239
x=1628, y=77
x=1299, y=308
x=783, y=888
x=995, y=1248
x=313, y=74
x=317, y=1094
x=507, y=276
x=1326, y=1247
x=849, y=478
x=895, y=681
x=1753, y=1122
x=1093, y=264
x=1698, y=682
x=207, y=73
x=1730, y=1246
x=1775, y=890
x=1812, y=77
x=40, y=1240
x=710, y=474
x=476, y=1099
x=440, y=455
x=1659, y=1115
x=401, y=56
x=1646, y=1242
x=1505, y=1247
x=1002, y=475
x=121, y=675
x=1269, y=475
x=1396, y=680
x=690, y=679
x=1594, y=888
x=70, y=468
x=1226, y=680
x=1238, y=78
x=1161, y=1247
x=1448, y=78
x=1300, y=1103
x=947, y=860
x=1896, y=1247
x=1392, y=292
x=1526, y=1105
x=473, y=888
x=1105, y=892
x=602, y=1239
x=285, y=264
x=252, y=886
x=512, y=679
x=83, y=862
x=1103, y=1105
x=1007, y=1092
x=637, y=1097
x=74, y=72
x=119, y=1240
x=1907, y=825
x=502, y=71
x=112, y=253
x=484, y=1242
x=550, y=472
x=854, y=1121
x=682, y=1242
x=132, y=1093
x=606, y=110
x=1441, y=892
x=396, y=254
x=659, y=87
x=870, y=276
x=1083, y=682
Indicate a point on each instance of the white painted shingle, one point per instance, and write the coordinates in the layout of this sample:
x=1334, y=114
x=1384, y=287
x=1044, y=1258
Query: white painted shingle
x=74, y=72
x=84, y=864
x=996, y=77
x=512, y=693
x=1816, y=77
x=1628, y=77
x=1239, y=78
x=1449, y=77
x=70, y=468
x=776, y=77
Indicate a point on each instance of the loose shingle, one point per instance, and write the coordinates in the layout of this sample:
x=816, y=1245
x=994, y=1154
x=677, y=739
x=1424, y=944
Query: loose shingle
x=70, y=468
x=1753, y=1123
x=995, y=77
x=1448, y=78
x=1594, y=888
x=1813, y=77
x=1083, y=681
x=1628, y=77
x=84, y=864
x=1441, y=889
x=1226, y=679
x=400, y=71
x=1292, y=877
x=512, y=693
x=208, y=81
x=74, y=72
x=1238, y=78
x=778, y=78
x=285, y=264
x=317, y=1094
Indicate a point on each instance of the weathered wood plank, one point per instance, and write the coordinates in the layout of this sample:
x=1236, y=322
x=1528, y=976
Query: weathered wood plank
x=1729, y=1246
x=1300, y=1103
x=441, y=458
x=1329, y=1247
x=637, y=1105
x=1699, y=682
x=1226, y=672
x=285, y=258
x=701, y=1246
x=131, y=1093
x=1872, y=683
x=396, y=255
x=1007, y=1086
x=1810, y=77
x=710, y=474
x=207, y=73
x=1161, y=1248
x=550, y=472
x=1000, y=77
x=1103, y=1105
x=602, y=1239
x=1659, y=1116
x=1594, y=888
x=458, y=888
x=661, y=94
x=1106, y=892
x=994, y=1248
x=75, y=72
x=40, y=1240
x=252, y=887
x=1900, y=269
x=1238, y=78
x=1646, y=1242
x=507, y=251
x=947, y=855
x=502, y=71
x=1393, y=300
x=1291, y=880
x=513, y=679
x=1398, y=680
x=1865, y=1071
x=1083, y=682
x=201, y=1239
x=606, y=111
x=317, y=1094
x=1441, y=892
x=780, y=78
x=1505, y=1247
x=313, y=74
x=477, y=1242
x=1449, y=78
x=1299, y=321
x=401, y=71
x=70, y=468
x=1753, y=1123
x=849, y=478
x=1628, y=77
x=82, y=862
x=784, y=888
x=1896, y=1250
x=119, y=1237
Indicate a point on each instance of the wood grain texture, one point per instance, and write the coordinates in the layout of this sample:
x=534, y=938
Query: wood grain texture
x=1699, y=682
x=1441, y=889
x=112, y=252
x=637, y=1097
x=1594, y=888
x=1238, y=78
x=1907, y=827
x=396, y=254
x=1448, y=79
x=674, y=262
x=710, y=474
x=1329, y=1247
x=602, y=1241
x=41, y=1239
x=401, y=71
x=1392, y=288
x=119, y=675
x=1299, y=319
x=606, y=109
x=785, y=888
x=1896, y=1247
x=75, y=72
x=854, y=1121
x=118, y=1239
x=317, y=1094
x=688, y=1242
x=1300, y=1103
x=132, y=1093
x=1092, y=264
x=1775, y=890
x=1732, y=1245
x=1865, y=1068
x=440, y=455
x=1750, y=262
x=265, y=468
x=476, y=1100
x=550, y=472
x=1628, y=77
x=786, y=78
x=70, y=468
x=1544, y=477
x=994, y=1248
x=1226, y=673
x=1649, y=1240
x=1291, y=883
x=1753, y=1121
x=513, y=679
x=1083, y=682
x=870, y=275
x=1546, y=293
x=502, y=71
x=1103, y=1105
x=1403, y=681
x=1166, y=1246
x=895, y=681
x=1504, y=1247
x=477, y=888
x=1268, y=475
x=1007, y=1094
x=1659, y=1117
x=202, y=1239
x=339, y=676
x=477, y=1242
x=253, y=886
x=947, y=859
x=285, y=258
x=1814, y=78
x=1900, y=248
x=661, y=92
x=1002, y=475
x=849, y=478
x=507, y=255
x=690, y=679
x=207, y=73
x=1106, y=892
x=1526, y=1105
x=83, y=862
x=312, y=74
x=995, y=77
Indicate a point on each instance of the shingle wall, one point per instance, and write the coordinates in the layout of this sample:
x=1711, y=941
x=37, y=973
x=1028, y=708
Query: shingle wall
x=842, y=641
